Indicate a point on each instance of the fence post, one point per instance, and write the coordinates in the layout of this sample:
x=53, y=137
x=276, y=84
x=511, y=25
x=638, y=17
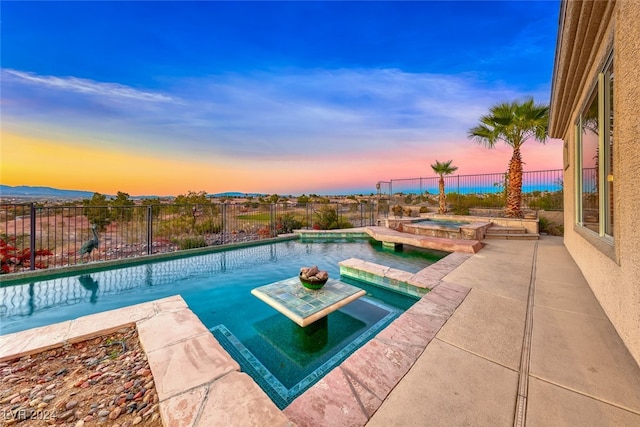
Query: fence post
x=272, y=222
x=32, y=238
x=149, y=230
x=223, y=222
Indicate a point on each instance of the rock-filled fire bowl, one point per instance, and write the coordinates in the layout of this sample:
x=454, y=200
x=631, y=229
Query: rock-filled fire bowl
x=312, y=278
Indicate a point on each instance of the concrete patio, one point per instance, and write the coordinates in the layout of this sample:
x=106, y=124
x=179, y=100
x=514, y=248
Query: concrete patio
x=529, y=345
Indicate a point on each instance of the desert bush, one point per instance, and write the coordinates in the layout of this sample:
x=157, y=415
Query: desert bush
x=397, y=210
x=208, y=226
x=190, y=242
x=424, y=209
x=287, y=223
x=547, y=226
x=326, y=218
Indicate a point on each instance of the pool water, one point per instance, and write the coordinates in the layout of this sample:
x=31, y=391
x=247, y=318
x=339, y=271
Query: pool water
x=442, y=223
x=282, y=357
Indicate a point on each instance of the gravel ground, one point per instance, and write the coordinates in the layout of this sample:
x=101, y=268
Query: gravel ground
x=105, y=381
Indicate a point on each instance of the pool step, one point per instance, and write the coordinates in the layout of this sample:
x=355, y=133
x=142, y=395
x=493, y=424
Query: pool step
x=387, y=235
x=509, y=233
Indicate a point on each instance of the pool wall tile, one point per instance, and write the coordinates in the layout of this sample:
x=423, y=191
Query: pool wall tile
x=382, y=276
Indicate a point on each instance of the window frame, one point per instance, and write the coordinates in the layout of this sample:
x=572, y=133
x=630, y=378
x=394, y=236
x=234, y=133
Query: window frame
x=602, y=89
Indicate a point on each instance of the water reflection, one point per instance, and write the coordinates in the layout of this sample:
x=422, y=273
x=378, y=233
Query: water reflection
x=91, y=285
x=27, y=299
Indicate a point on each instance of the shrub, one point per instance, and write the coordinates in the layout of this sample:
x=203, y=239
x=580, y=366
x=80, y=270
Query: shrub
x=326, y=218
x=460, y=210
x=547, y=226
x=424, y=209
x=190, y=242
x=287, y=223
x=12, y=258
x=544, y=224
x=397, y=210
x=208, y=226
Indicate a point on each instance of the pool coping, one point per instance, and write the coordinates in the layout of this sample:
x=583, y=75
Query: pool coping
x=199, y=384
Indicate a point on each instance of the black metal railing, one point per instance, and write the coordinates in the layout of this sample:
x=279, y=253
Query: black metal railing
x=540, y=190
x=33, y=236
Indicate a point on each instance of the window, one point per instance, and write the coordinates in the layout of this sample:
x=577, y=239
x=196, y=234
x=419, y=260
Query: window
x=594, y=155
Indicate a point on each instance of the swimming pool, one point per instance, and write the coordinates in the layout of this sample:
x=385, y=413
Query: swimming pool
x=284, y=360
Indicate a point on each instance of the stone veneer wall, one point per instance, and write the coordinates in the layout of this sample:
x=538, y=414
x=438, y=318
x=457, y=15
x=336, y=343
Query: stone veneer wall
x=589, y=31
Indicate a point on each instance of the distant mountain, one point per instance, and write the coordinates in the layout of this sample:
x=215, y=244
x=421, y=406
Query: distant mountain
x=28, y=191
x=236, y=194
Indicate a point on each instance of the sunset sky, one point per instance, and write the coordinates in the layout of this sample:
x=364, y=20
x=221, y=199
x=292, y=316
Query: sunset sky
x=160, y=98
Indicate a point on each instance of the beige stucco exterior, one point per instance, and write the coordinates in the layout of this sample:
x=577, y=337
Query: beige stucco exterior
x=589, y=32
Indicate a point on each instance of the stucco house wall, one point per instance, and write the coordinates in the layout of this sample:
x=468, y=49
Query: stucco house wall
x=589, y=32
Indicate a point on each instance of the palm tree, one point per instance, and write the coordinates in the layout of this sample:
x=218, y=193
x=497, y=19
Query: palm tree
x=513, y=123
x=443, y=169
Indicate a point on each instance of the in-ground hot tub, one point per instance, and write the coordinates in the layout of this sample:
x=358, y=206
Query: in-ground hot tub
x=445, y=228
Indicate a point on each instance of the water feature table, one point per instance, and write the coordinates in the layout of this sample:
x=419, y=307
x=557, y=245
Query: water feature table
x=305, y=306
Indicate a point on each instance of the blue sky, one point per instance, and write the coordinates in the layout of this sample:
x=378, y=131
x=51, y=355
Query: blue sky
x=246, y=96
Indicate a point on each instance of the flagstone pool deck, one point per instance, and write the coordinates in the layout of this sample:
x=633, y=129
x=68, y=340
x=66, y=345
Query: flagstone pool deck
x=511, y=335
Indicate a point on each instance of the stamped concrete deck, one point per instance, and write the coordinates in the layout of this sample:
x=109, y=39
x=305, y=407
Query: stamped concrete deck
x=529, y=345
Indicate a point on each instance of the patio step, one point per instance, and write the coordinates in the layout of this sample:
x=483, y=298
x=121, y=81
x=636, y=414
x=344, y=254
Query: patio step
x=500, y=229
x=513, y=236
x=389, y=236
x=509, y=233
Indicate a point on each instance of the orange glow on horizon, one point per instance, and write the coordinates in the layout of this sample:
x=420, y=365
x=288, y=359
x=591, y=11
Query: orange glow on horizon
x=76, y=166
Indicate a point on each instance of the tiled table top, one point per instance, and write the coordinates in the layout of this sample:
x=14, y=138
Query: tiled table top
x=305, y=306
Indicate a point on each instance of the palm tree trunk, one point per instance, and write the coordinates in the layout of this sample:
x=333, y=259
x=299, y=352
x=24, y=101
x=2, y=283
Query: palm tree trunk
x=443, y=197
x=514, y=195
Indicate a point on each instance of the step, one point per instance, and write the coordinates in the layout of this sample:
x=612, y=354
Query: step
x=512, y=236
x=499, y=229
x=386, y=235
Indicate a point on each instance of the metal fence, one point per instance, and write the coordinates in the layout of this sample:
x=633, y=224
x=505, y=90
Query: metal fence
x=540, y=190
x=33, y=236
